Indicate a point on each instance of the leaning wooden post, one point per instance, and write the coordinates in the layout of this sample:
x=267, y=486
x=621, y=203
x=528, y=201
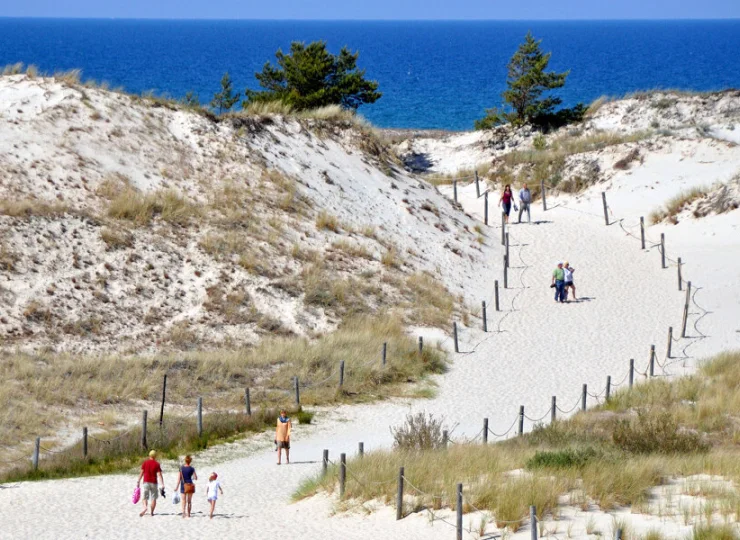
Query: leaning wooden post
x=84, y=442
x=361, y=449
x=670, y=342
x=619, y=534
x=399, y=495
x=161, y=409
x=662, y=250
x=385, y=352
x=685, y=320
x=297, y=390
x=508, y=257
x=459, y=512
x=608, y=387
x=533, y=522
x=421, y=345
x=454, y=335
x=680, y=279
x=632, y=371
x=485, y=318
x=642, y=232
x=503, y=228
x=342, y=474
x=553, y=409
x=445, y=438
x=248, y=402
x=506, y=272
x=143, y=429
x=544, y=200
x=454, y=190
x=652, y=360
x=485, y=208
x=521, y=420
x=477, y=185
x=606, y=210
x=36, y=450
x=325, y=462
x=341, y=373
x=584, y=395
x=495, y=295
x=200, y=416
x=485, y=431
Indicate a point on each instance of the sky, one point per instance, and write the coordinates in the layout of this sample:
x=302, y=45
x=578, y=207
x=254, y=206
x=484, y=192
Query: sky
x=375, y=9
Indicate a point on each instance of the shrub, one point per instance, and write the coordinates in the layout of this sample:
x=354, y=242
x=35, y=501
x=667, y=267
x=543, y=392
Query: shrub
x=539, y=142
x=420, y=431
x=561, y=459
x=327, y=221
x=303, y=416
x=658, y=433
x=624, y=163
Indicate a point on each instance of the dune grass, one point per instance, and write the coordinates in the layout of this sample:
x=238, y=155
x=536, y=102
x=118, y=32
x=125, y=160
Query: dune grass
x=140, y=208
x=586, y=458
x=676, y=204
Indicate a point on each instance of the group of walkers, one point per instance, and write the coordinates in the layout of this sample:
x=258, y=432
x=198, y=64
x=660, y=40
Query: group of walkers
x=562, y=281
x=507, y=201
x=151, y=474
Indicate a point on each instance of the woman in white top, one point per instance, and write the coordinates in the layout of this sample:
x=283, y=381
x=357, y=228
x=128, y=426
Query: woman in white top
x=568, y=279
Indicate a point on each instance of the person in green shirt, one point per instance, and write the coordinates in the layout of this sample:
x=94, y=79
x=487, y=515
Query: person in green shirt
x=558, y=281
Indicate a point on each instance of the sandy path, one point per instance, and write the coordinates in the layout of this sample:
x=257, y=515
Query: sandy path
x=544, y=349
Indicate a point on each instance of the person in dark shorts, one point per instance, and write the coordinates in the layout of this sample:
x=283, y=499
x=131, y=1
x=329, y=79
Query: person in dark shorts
x=568, y=280
x=505, y=201
x=186, y=485
x=282, y=436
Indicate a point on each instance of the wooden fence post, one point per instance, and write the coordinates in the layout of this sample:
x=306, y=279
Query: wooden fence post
x=495, y=295
x=652, y=360
x=477, y=185
x=669, y=349
x=361, y=449
x=297, y=390
x=485, y=317
x=36, y=451
x=84, y=442
x=606, y=210
x=200, y=416
x=445, y=438
x=544, y=200
x=608, y=387
x=642, y=232
x=632, y=371
x=521, y=420
x=680, y=280
x=485, y=431
x=161, y=409
x=506, y=272
x=342, y=474
x=584, y=395
x=533, y=522
x=421, y=345
x=485, y=208
x=508, y=257
x=553, y=409
x=454, y=335
x=143, y=429
x=459, y=512
x=503, y=228
x=341, y=373
x=686, y=310
x=619, y=534
x=662, y=250
x=325, y=462
x=399, y=495
x=247, y=402
x=385, y=352
x=454, y=190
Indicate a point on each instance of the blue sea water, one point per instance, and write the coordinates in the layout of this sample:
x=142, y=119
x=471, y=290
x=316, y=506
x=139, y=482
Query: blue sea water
x=432, y=74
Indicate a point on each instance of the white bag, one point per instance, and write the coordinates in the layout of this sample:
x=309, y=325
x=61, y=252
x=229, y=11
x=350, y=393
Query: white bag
x=176, y=498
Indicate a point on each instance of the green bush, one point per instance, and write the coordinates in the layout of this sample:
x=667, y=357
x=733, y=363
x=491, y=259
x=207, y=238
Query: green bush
x=561, y=459
x=658, y=433
x=304, y=417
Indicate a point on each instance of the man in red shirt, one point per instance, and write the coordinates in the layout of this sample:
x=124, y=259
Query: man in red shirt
x=149, y=471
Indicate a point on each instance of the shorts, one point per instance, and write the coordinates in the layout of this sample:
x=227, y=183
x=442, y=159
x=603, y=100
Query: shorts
x=568, y=284
x=213, y=499
x=150, y=491
x=284, y=444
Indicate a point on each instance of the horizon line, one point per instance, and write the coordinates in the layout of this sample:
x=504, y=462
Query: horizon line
x=238, y=19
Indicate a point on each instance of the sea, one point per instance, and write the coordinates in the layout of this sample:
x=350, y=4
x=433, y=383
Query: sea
x=433, y=74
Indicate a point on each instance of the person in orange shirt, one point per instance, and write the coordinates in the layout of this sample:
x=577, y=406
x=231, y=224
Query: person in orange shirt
x=282, y=436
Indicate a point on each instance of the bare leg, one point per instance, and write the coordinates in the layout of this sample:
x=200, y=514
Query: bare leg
x=213, y=507
x=287, y=455
x=190, y=503
x=184, y=504
x=574, y=292
x=145, y=501
x=280, y=454
x=154, y=505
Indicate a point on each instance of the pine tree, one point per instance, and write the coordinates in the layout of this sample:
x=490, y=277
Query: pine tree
x=527, y=80
x=311, y=77
x=225, y=99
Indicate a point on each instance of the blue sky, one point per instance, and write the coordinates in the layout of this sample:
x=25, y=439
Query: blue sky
x=375, y=9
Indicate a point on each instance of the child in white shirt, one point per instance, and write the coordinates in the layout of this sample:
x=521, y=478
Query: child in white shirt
x=214, y=486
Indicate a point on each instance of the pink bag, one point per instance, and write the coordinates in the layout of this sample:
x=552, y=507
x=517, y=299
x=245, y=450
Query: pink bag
x=136, y=496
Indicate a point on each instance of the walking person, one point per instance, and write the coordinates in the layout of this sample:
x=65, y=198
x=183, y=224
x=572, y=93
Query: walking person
x=558, y=281
x=282, y=436
x=214, y=486
x=150, y=470
x=186, y=485
x=568, y=280
x=525, y=198
x=505, y=202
